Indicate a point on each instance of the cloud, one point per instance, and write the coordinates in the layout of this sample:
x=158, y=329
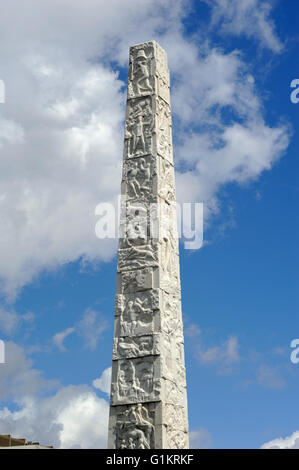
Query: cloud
x=225, y=355
x=10, y=321
x=58, y=338
x=192, y=330
x=221, y=136
x=289, y=442
x=71, y=419
x=18, y=378
x=89, y=328
x=200, y=439
x=103, y=383
x=61, y=126
x=268, y=377
x=250, y=18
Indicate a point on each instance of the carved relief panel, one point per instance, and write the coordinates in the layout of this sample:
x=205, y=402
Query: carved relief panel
x=139, y=178
x=134, y=223
x=148, y=75
x=137, y=313
x=136, y=346
x=171, y=320
x=162, y=73
x=166, y=180
x=172, y=358
x=173, y=392
x=139, y=127
x=136, y=380
x=137, y=255
x=176, y=439
x=175, y=417
x=135, y=281
x=141, y=74
x=133, y=426
x=164, y=134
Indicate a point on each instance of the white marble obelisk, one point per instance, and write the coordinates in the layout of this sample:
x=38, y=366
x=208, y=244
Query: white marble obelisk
x=148, y=407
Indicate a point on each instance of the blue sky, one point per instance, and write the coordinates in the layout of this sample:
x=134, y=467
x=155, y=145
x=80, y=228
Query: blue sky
x=235, y=148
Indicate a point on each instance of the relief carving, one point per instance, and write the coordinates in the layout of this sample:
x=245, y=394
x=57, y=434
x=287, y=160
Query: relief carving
x=177, y=439
x=162, y=74
x=137, y=315
x=148, y=394
x=166, y=180
x=141, y=80
x=174, y=393
x=175, y=416
x=171, y=320
x=135, y=381
x=139, y=177
x=135, y=281
x=137, y=256
x=172, y=358
x=134, y=346
x=134, y=429
x=170, y=265
x=139, y=127
x=134, y=224
x=161, y=65
x=164, y=129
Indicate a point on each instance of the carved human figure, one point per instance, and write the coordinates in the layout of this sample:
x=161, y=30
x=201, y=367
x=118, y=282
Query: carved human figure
x=138, y=135
x=166, y=187
x=145, y=376
x=139, y=126
x=164, y=128
x=139, y=178
x=169, y=252
x=133, y=182
x=142, y=72
x=141, y=410
x=139, y=252
x=145, y=168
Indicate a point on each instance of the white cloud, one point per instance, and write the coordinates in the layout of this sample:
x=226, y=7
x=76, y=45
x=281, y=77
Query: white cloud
x=72, y=417
x=200, y=439
x=192, y=330
x=247, y=17
x=289, y=442
x=10, y=321
x=17, y=377
x=103, y=383
x=89, y=328
x=58, y=338
x=225, y=355
x=61, y=128
x=213, y=149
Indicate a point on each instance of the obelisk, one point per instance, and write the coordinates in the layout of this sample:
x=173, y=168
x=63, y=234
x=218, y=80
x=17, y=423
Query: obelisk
x=148, y=405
